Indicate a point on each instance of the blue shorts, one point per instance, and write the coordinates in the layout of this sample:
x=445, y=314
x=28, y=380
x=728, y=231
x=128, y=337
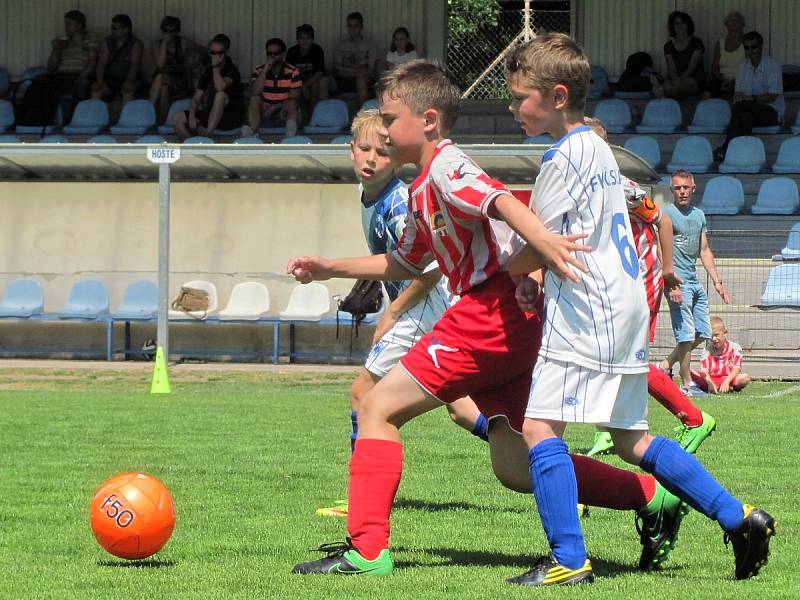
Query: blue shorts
x=690, y=317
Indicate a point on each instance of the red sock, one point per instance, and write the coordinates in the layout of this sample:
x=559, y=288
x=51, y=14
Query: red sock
x=375, y=470
x=600, y=484
x=663, y=389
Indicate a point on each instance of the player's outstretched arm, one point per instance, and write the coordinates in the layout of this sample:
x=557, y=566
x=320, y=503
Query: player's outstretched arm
x=381, y=267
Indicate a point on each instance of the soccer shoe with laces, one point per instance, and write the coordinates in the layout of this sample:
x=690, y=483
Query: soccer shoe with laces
x=603, y=444
x=547, y=571
x=339, y=510
x=343, y=559
x=690, y=438
x=658, y=524
x=751, y=541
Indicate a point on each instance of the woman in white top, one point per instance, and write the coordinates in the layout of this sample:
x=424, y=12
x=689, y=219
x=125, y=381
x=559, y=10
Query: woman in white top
x=728, y=53
x=402, y=49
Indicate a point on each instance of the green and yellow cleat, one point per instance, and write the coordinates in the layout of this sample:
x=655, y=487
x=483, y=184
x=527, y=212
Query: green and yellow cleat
x=548, y=572
x=751, y=541
x=339, y=510
x=658, y=524
x=690, y=438
x=603, y=444
x=343, y=559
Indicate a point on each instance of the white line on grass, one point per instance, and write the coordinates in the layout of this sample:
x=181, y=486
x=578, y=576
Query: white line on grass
x=779, y=393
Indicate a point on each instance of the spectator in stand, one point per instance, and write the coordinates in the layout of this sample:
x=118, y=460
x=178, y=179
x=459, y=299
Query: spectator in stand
x=174, y=58
x=684, y=55
x=401, y=50
x=353, y=61
x=758, y=96
x=637, y=74
x=728, y=53
x=218, y=99
x=119, y=68
x=309, y=58
x=721, y=364
x=277, y=87
x=70, y=67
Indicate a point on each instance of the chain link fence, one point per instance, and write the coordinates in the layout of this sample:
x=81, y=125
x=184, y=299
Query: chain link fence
x=481, y=30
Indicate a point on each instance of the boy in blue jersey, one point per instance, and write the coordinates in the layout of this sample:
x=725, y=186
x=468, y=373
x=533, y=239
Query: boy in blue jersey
x=592, y=365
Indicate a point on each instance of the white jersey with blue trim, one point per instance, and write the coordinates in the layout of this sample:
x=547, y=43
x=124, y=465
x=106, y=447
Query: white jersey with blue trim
x=600, y=323
x=383, y=220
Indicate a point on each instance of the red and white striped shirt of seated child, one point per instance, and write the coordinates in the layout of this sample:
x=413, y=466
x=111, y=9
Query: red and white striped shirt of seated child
x=721, y=363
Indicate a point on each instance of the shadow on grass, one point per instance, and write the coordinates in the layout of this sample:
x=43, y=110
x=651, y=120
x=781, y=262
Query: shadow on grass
x=136, y=564
x=429, y=506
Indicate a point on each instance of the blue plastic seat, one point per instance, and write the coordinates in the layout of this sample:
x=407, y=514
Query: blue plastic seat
x=329, y=116
x=598, y=82
x=198, y=139
x=745, y=154
x=6, y=115
x=788, y=160
x=614, y=113
x=181, y=105
x=102, y=139
x=792, y=249
x=645, y=147
x=23, y=299
x=297, y=139
x=90, y=118
x=150, y=139
x=55, y=138
x=783, y=286
x=139, y=303
x=4, y=80
x=692, y=153
x=369, y=104
x=248, y=140
x=342, y=139
x=227, y=132
x=711, y=116
x=137, y=117
x=661, y=115
x=643, y=95
x=88, y=300
x=539, y=139
x=723, y=195
x=777, y=196
x=766, y=130
x=9, y=138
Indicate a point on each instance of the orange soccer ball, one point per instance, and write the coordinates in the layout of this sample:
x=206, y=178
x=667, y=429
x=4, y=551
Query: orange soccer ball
x=132, y=515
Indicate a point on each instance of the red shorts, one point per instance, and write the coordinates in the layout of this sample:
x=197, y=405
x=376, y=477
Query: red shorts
x=483, y=347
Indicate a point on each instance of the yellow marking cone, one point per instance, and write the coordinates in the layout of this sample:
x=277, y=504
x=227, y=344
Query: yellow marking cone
x=160, y=383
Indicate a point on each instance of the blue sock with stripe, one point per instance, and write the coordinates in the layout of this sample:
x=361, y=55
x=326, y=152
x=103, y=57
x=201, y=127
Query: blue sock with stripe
x=556, y=493
x=481, y=428
x=354, y=434
x=684, y=476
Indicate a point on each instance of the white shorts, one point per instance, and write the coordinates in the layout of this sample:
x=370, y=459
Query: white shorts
x=384, y=355
x=574, y=394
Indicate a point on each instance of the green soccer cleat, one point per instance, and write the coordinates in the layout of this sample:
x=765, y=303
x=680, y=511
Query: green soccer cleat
x=690, y=438
x=548, y=572
x=751, y=541
x=603, y=444
x=343, y=559
x=340, y=510
x=658, y=524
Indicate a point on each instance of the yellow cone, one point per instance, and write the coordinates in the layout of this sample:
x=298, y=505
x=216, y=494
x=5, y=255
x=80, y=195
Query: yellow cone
x=160, y=383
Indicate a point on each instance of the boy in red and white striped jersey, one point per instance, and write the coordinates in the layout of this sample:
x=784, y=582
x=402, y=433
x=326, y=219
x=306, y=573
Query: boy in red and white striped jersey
x=721, y=364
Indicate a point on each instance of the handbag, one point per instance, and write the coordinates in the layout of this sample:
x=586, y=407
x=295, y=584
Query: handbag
x=191, y=300
x=365, y=298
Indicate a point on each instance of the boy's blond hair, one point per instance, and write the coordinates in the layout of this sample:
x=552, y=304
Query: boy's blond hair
x=367, y=119
x=550, y=59
x=715, y=320
x=597, y=126
x=422, y=85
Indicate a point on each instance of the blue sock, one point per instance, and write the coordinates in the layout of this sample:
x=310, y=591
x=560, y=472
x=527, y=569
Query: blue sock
x=684, y=476
x=481, y=428
x=556, y=493
x=354, y=434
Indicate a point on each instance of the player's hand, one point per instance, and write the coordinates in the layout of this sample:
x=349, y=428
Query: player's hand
x=672, y=281
x=723, y=293
x=526, y=294
x=559, y=256
x=724, y=387
x=384, y=324
x=306, y=269
x=675, y=295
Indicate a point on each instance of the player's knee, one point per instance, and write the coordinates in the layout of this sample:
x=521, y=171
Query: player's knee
x=742, y=380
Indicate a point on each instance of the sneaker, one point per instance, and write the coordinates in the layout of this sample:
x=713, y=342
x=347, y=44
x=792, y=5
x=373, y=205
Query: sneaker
x=246, y=131
x=603, y=444
x=751, y=541
x=343, y=559
x=693, y=391
x=658, y=524
x=340, y=510
x=548, y=572
x=690, y=438
x=583, y=511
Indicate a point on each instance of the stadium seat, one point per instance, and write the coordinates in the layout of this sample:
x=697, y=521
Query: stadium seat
x=139, y=302
x=297, y=139
x=55, y=138
x=796, y=126
x=711, y=116
x=745, y=155
x=198, y=139
x=102, y=139
x=88, y=299
x=643, y=95
x=150, y=139
x=271, y=130
x=248, y=140
x=136, y=118
x=6, y=116
x=90, y=117
x=249, y=301
x=692, y=153
x=329, y=116
x=342, y=139
x=768, y=130
x=236, y=131
x=213, y=301
x=645, y=147
x=777, y=196
x=788, y=160
x=307, y=302
x=723, y=195
x=9, y=138
x=792, y=249
x=598, y=82
x=661, y=115
x=4, y=80
x=25, y=79
x=539, y=139
x=23, y=299
x=178, y=106
x=614, y=113
x=783, y=286
x=371, y=103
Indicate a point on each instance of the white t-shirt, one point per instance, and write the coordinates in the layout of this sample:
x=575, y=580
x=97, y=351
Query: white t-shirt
x=600, y=323
x=394, y=59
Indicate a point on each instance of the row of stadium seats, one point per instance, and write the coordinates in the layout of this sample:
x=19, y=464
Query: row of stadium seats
x=56, y=138
x=724, y=195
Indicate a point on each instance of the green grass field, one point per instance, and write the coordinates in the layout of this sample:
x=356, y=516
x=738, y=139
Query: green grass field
x=249, y=457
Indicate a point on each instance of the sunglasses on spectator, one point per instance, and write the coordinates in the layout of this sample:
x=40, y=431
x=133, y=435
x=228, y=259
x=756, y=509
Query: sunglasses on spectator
x=216, y=52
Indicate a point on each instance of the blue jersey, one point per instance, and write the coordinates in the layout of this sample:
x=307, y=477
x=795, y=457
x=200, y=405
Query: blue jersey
x=687, y=227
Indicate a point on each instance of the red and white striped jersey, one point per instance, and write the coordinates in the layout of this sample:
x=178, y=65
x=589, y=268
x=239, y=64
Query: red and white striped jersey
x=645, y=236
x=448, y=222
x=721, y=365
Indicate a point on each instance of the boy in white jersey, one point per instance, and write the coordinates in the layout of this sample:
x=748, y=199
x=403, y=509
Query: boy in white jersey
x=592, y=366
